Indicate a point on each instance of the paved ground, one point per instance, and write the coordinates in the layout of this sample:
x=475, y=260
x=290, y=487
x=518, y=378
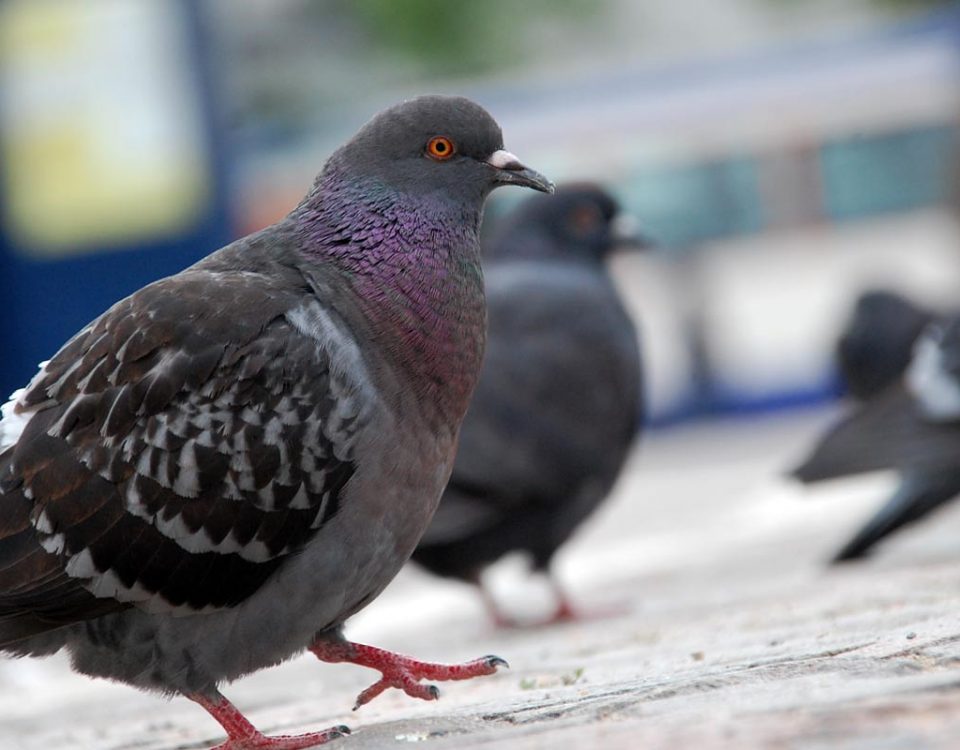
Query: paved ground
x=730, y=632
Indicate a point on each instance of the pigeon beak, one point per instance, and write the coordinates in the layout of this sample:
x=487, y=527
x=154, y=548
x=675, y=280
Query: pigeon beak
x=511, y=171
x=625, y=231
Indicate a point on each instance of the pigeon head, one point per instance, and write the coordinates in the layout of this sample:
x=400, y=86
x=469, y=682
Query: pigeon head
x=876, y=346
x=445, y=147
x=581, y=221
x=397, y=210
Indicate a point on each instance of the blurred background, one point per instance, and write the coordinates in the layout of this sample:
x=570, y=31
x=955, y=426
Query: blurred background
x=785, y=154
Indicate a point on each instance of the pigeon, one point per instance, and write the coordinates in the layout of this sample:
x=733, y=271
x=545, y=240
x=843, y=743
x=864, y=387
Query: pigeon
x=558, y=404
x=217, y=472
x=875, y=347
x=912, y=427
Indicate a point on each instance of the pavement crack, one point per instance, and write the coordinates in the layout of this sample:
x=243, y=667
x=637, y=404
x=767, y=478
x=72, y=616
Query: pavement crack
x=917, y=649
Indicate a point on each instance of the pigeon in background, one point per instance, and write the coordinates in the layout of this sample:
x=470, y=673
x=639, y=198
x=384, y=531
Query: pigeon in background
x=877, y=344
x=912, y=426
x=216, y=473
x=558, y=404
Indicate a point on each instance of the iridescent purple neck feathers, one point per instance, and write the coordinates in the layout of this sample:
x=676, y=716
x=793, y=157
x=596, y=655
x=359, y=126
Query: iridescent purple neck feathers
x=415, y=267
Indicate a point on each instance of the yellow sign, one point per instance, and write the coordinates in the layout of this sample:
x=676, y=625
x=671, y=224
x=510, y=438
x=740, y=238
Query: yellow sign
x=101, y=135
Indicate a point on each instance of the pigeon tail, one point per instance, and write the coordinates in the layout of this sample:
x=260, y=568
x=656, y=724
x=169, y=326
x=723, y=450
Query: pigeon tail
x=919, y=493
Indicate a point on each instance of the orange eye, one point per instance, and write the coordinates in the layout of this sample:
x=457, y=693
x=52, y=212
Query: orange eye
x=585, y=219
x=440, y=148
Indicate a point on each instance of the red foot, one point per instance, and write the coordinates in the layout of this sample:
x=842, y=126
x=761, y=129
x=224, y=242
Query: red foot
x=560, y=616
x=242, y=735
x=401, y=672
x=564, y=613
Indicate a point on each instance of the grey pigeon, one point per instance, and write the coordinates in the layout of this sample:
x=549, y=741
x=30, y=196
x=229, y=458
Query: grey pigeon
x=218, y=471
x=559, y=400
x=912, y=427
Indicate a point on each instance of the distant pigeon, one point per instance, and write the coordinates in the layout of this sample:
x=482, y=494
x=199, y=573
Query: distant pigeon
x=222, y=468
x=876, y=346
x=913, y=427
x=559, y=400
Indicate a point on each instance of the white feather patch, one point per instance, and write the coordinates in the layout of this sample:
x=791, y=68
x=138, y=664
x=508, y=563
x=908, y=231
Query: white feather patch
x=81, y=565
x=42, y=523
x=200, y=542
x=937, y=390
x=109, y=586
x=187, y=483
x=313, y=321
x=13, y=420
x=54, y=544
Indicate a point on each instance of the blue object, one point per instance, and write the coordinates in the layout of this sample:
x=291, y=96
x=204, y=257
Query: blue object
x=46, y=299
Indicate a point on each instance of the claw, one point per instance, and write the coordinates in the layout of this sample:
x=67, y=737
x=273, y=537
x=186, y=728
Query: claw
x=242, y=735
x=401, y=672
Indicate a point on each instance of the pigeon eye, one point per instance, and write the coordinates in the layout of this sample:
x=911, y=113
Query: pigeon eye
x=585, y=219
x=440, y=148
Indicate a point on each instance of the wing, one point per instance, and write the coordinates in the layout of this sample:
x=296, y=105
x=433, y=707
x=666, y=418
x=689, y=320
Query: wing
x=174, y=453
x=891, y=431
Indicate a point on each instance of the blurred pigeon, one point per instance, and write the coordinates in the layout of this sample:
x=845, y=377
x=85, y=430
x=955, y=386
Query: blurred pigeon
x=559, y=399
x=913, y=427
x=218, y=471
x=876, y=346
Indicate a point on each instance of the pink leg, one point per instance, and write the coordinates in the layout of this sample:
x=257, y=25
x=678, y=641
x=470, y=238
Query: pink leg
x=242, y=735
x=563, y=613
x=398, y=671
x=500, y=620
x=566, y=612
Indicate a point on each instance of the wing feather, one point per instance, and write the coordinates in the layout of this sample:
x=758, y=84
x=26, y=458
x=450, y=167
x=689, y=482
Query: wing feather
x=175, y=452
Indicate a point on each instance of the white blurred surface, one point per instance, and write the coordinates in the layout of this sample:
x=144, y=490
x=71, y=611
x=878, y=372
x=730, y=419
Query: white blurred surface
x=773, y=307
x=733, y=633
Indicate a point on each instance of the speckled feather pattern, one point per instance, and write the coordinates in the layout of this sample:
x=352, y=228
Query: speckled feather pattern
x=221, y=429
